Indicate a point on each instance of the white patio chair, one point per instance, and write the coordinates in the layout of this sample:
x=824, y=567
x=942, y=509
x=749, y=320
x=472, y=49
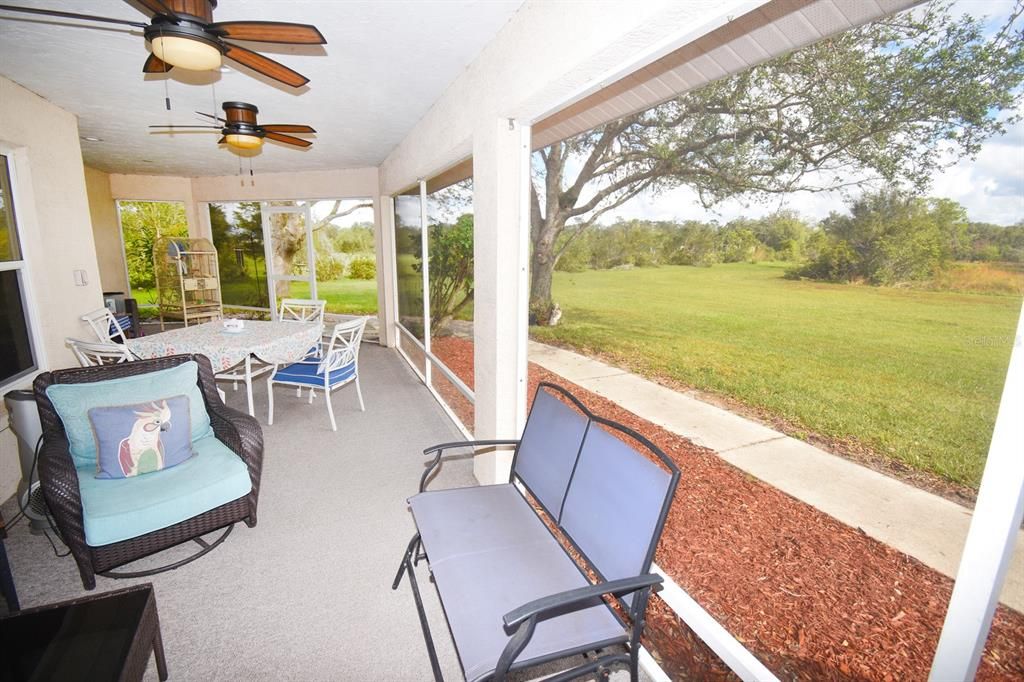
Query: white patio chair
x=93, y=354
x=105, y=326
x=304, y=310
x=339, y=366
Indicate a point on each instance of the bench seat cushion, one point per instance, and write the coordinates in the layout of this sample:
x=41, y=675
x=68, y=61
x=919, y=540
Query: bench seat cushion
x=306, y=373
x=122, y=508
x=490, y=553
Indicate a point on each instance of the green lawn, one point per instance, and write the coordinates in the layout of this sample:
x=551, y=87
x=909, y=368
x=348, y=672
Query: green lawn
x=349, y=296
x=916, y=375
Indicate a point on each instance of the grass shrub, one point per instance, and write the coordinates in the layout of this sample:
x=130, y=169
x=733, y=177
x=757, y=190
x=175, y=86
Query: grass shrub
x=982, y=278
x=362, y=268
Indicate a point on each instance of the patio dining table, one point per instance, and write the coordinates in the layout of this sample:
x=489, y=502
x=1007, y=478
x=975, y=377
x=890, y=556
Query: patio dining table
x=269, y=343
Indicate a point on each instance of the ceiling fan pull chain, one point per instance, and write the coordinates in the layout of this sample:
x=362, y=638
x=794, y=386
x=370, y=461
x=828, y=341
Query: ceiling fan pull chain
x=252, y=177
x=241, y=180
x=213, y=91
x=167, y=95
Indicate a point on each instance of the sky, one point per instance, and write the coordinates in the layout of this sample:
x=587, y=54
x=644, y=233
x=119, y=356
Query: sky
x=990, y=187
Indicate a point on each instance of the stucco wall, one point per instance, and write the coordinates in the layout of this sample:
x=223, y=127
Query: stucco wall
x=352, y=182
x=55, y=229
x=105, y=231
x=158, y=188
x=334, y=184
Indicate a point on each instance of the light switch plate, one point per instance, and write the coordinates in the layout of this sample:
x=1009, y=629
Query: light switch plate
x=81, y=279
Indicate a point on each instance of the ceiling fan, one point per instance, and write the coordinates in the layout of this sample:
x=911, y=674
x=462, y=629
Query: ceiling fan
x=182, y=33
x=241, y=130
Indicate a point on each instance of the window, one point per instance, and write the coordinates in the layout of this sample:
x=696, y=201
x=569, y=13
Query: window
x=142, y=223
x=343, y=245
x=346, y=262
x=16, y=355
x=450, y=253
x=436, y=325
x=237, y=230
x=409, y=248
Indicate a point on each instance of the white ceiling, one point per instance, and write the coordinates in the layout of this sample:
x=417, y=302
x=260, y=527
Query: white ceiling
x=383, y=66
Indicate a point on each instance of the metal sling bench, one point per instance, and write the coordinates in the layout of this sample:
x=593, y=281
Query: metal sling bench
x=513, y=596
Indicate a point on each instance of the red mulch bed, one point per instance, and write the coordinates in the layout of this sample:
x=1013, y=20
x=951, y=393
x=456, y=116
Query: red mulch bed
x=812, y=598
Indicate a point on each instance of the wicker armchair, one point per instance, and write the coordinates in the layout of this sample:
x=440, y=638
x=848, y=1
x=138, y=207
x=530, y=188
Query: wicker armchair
x=239, y=432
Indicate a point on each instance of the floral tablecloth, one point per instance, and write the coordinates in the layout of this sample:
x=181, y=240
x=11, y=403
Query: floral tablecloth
x=272, y=342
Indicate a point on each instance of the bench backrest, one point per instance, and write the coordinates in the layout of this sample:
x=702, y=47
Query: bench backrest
x=549, y=448
x=591, y=478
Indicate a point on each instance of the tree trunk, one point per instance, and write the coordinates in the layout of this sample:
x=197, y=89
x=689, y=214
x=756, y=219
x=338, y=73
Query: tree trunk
x=288, y=232
x=542, y=267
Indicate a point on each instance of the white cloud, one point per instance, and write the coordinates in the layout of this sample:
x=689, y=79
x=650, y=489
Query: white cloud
x=991, y=187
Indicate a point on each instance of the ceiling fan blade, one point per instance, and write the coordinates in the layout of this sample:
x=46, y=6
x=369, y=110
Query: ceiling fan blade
x=287, y=128
x=288, y=139
x=268, y=67
x=186, y=127
x=215, y=118
x=155, y=65
x=222, y=140
x=155, y=6
x=269, y=32
x=70, y=15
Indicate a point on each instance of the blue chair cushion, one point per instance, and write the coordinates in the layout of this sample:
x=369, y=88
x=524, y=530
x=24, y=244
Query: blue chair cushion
x=305, y=373
x=73, y=402
x=122, y=508
x=121, y=323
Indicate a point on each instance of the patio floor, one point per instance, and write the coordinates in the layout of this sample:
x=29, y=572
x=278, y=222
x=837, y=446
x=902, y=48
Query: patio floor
x=306, y=594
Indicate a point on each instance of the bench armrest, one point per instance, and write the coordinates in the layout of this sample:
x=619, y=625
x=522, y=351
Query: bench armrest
x=474, y=443
x=522, y=621
x=441, y=447
x=577, y=597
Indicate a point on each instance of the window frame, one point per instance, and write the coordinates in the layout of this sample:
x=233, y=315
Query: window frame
x=18, y=177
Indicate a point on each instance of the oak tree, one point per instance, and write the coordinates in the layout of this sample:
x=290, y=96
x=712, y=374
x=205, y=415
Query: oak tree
x=894, y=100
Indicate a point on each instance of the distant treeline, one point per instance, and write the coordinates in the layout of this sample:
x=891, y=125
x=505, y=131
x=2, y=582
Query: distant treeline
x=884, y=238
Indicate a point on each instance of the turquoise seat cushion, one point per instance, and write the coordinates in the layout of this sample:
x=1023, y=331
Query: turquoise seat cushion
x=73, y=402
x=305, y=373
x=122, y=508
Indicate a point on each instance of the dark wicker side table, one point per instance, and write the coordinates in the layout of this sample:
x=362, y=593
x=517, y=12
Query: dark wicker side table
x=100, y=637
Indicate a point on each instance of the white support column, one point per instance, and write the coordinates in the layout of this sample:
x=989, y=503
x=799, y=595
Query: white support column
x=501, y=218
x=990, y=540
x=387, y=295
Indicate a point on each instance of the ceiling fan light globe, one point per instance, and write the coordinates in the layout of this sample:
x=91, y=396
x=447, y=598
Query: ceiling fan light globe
x=186, y=53
x=244, y=141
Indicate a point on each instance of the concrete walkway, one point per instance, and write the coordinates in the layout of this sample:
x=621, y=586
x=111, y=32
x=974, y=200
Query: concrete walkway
x=925, y=526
